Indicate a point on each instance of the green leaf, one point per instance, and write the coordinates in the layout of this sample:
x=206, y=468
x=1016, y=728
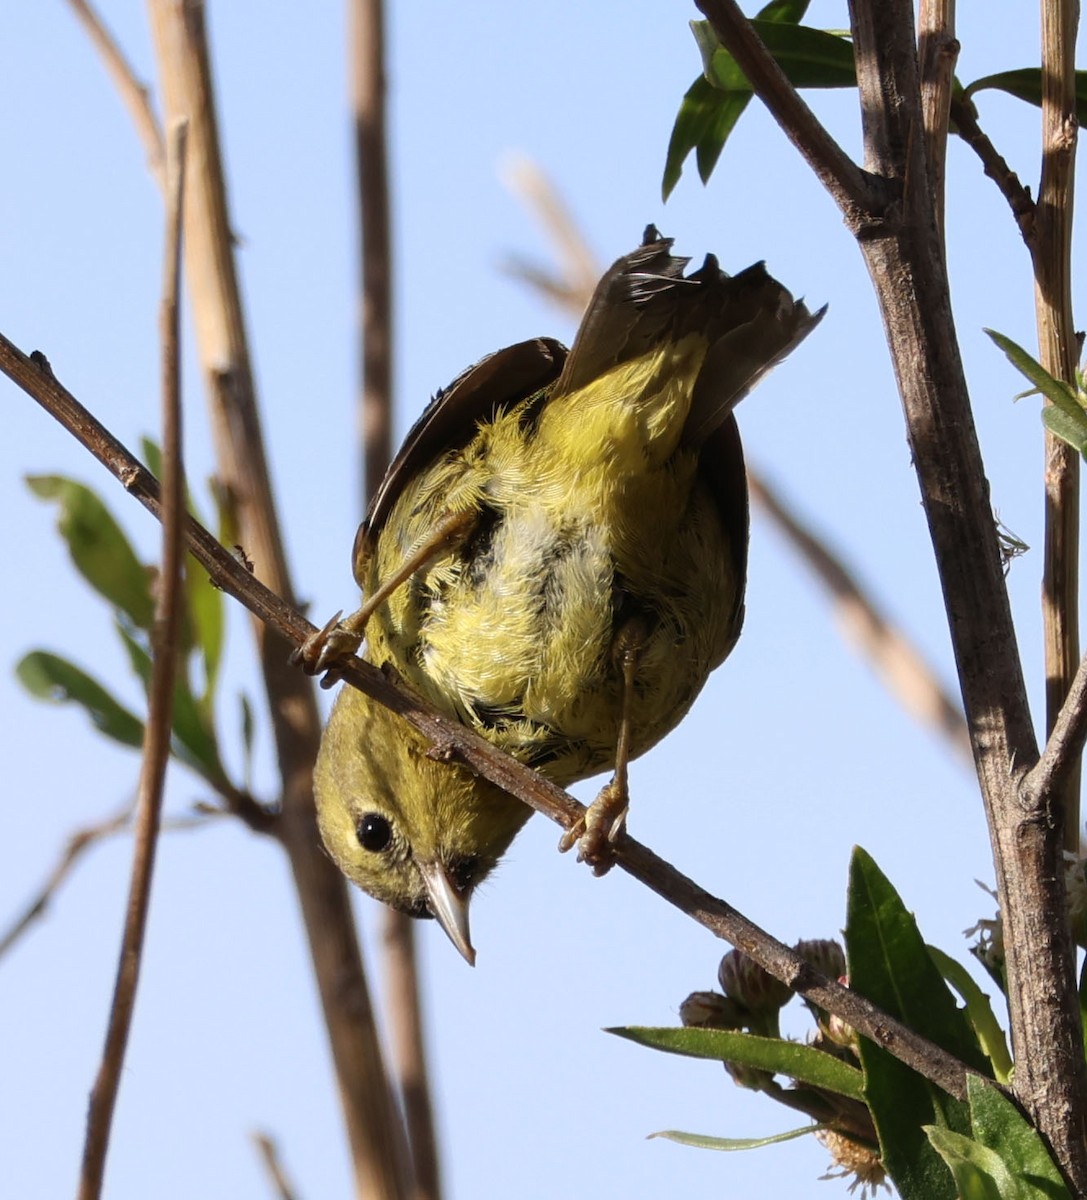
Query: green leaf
x=193, y=740
x=705, y=119
x=248, y=732
x=204, y=601
x=797, y=1061
x=1026, y=84
x=98, y=546
x=810, y=58
x=980, y=1012
x=704, y=1142
x=1000, y=1126
x=978, y=1172
x=889, y=964
x=784, y=12
x=714, y=102
x=1055, y=390
x=1072, y=430
x=49, y=677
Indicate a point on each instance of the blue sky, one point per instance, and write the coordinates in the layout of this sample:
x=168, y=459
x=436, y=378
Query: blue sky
x=793, y=754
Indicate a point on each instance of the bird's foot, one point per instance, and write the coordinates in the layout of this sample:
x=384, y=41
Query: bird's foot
x=322, y=651
x=596, y=833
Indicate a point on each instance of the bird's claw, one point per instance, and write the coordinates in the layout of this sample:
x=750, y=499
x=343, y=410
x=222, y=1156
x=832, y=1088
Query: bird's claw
x=596, y=833
x=322, y=651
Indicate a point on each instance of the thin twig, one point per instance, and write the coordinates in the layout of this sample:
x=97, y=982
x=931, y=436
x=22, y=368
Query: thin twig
x=165, y=639
x=134, y=94
x=580, y=269
x=366, y=43
x=269, y=1156
x=466, y=746
x=1062, y=752
x=965, y=124
x=366, y=48
x=74, y=847
x=374, y=1130
x=860, y=197
x=1051, y=252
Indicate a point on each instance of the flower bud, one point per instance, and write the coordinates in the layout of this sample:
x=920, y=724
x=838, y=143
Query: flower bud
x=750, y=985
x=710, y=1010
x=824, y=954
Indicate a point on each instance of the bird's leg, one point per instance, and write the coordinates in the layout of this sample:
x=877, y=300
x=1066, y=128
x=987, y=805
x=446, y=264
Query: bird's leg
x=605, y=818
x=341, y=638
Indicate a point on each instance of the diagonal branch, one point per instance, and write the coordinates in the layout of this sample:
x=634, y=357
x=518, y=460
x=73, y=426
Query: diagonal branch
x=1060, y=759
x=457, y=741
x=856, y=193
x=134, y=94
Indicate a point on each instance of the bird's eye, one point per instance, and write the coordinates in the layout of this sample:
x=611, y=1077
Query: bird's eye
x=374, y=832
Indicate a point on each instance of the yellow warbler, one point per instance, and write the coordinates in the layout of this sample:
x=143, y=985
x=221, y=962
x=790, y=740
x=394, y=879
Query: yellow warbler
x=557, y=559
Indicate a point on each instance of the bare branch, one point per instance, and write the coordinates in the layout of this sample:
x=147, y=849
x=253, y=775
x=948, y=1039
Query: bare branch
x=366, y=41
x=375, y=1132
x=77, y=843
x=165, y=640
x=580, y=269
x=1017, y=196
x=858, y=195
x=907, y=269
x=135, y=94
x=366, y=48
x=1051, y=251
x=269, y=1156
x=457, y=741
x=1062, y=752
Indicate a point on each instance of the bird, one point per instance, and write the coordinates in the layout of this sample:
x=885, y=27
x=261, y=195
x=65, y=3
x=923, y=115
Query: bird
x=557, y=559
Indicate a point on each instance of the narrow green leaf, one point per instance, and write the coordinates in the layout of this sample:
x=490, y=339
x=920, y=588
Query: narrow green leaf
x=797, y=1061
x=98, y=546
x=784, y=12
x=979, y=1010
x=979, y=1174
x=1000, y=1126
x=704, y=1142
x=193, y=740
x=1026, y=84
x=204, y=601
x=50, y=677
x=889, y=964
x=713, y=103
x=1072, y=430
x=810, y=58
x=705, y=119
x=1054, y=390
x=248, y=731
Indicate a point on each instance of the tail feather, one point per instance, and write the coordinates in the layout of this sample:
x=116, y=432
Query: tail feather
x=750, y=322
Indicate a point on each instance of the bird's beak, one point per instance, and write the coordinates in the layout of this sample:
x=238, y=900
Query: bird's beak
x=449, y=906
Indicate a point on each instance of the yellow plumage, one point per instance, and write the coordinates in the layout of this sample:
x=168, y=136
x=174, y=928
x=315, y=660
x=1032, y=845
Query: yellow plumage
x=573, y=530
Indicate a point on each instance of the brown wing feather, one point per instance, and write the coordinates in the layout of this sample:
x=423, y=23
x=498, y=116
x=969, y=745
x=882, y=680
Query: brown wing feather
x=450, y=419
